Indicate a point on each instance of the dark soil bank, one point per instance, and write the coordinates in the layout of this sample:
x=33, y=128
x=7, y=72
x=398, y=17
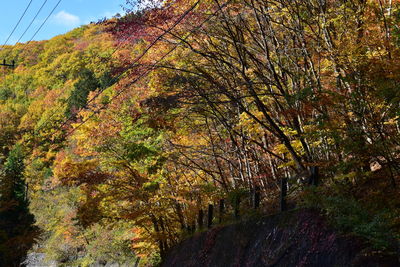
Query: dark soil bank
x=297, y=238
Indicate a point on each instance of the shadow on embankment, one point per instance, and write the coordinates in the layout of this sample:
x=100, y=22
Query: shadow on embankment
x=295, y=238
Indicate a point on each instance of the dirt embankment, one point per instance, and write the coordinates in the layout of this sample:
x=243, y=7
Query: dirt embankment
x=297, y=238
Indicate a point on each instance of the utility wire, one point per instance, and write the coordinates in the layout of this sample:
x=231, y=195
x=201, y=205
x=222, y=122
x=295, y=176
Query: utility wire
x=16, y=26
x=33, y=20
x=44, y=22
x=41, y=26
x=133, y=64
x=141, y=76
x=55, y=111
x=153, y=66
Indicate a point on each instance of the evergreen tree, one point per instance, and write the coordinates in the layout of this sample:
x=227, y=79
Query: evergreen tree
x=16, y=223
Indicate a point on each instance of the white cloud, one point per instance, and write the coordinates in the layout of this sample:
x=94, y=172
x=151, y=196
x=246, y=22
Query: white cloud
x=106, y=14
x=66, y=19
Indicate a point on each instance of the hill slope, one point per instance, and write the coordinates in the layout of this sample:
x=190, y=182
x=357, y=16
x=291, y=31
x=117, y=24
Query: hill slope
x=297, y=238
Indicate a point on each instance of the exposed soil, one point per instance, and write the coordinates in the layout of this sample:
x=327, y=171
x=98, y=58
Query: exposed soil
x=296, y=238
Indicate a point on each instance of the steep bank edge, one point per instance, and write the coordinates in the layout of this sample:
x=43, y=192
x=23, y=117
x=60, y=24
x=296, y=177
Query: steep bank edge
x=296, y=238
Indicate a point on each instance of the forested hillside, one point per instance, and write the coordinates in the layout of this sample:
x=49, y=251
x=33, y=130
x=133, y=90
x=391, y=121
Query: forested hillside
x=115, y=136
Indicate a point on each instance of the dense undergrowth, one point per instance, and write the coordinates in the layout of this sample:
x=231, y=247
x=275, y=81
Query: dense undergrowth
x=351, y=209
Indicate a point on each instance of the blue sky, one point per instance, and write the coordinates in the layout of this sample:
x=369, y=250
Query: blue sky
x=68, y=15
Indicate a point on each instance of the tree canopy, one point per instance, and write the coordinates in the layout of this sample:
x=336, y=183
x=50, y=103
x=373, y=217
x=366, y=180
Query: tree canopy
x=116, y=135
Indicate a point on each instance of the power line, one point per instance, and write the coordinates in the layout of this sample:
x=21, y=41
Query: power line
x=19, y=21
x=153, y=66
x=129, y=67
x=33, y=20
x=133, y=64
x=54, y=113
x=144, y=74
x=41, y=26
x=51, y=13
